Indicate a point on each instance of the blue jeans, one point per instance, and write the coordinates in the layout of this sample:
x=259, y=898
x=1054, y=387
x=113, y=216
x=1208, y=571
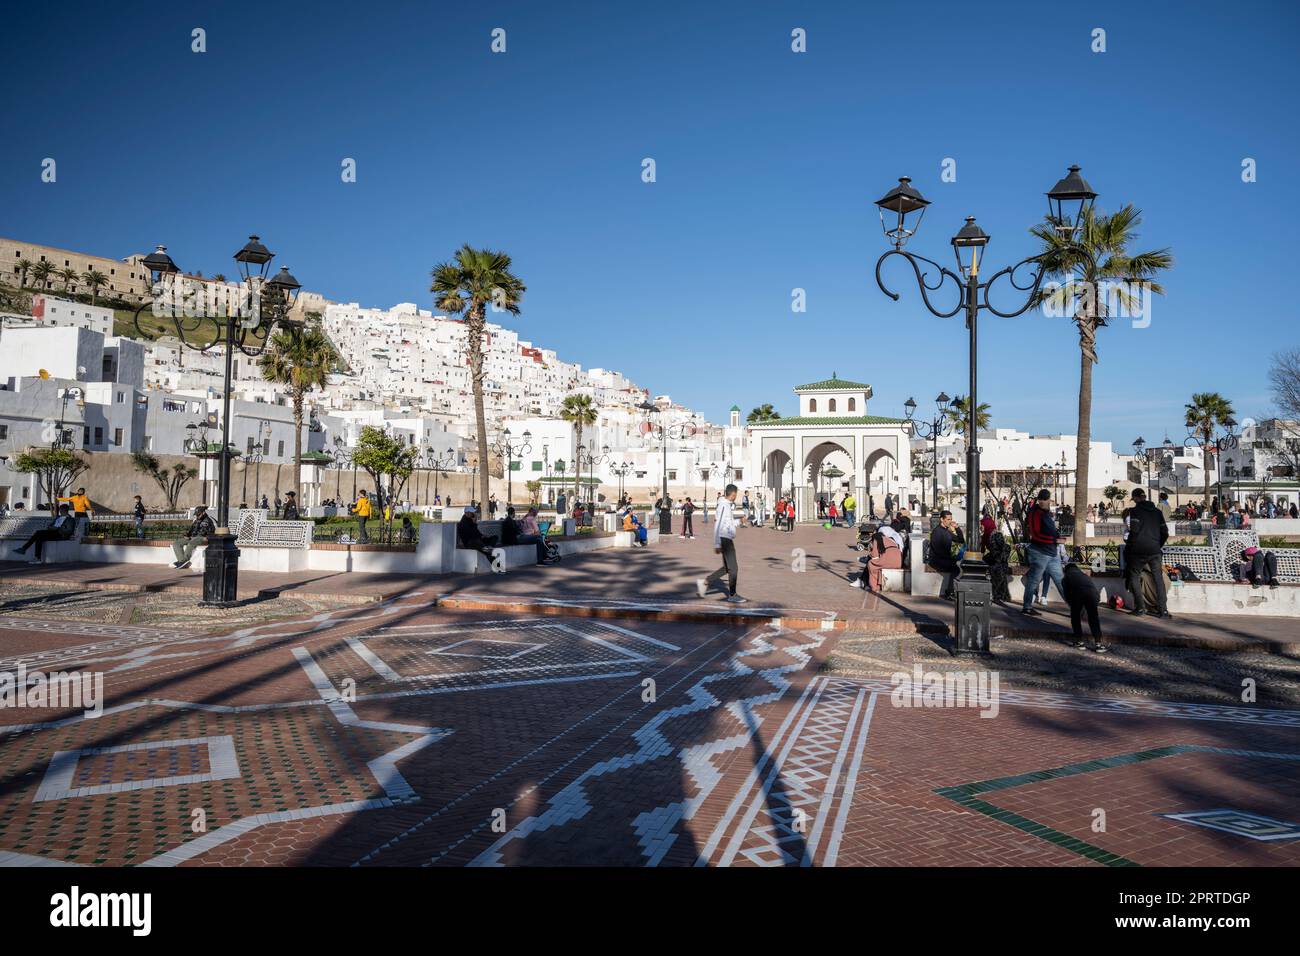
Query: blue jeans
x=1042, y=563
x=848, y=517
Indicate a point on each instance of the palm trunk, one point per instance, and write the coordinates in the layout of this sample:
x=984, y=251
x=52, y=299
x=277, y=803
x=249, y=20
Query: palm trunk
x=1083, y=443
x=1205, y=467
x=577, y=461
x=297, y=445
x=474, y=328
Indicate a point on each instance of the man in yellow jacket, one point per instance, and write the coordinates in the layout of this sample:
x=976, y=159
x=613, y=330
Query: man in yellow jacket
x=364, y=510
x=81, y=510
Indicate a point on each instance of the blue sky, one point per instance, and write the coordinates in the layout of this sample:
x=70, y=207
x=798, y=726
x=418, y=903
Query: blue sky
x=767, y=165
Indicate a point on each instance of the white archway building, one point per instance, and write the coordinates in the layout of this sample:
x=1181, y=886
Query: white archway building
x=832, y=432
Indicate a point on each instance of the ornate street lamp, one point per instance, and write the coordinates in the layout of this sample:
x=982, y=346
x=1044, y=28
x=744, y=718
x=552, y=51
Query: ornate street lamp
x=509, y=449
x=247, y=325
x=676, y=432
x=901, y=211
x=938, y=427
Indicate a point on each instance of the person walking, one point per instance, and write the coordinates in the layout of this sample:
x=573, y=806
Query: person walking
x=1083, y=597
x=81, y=510
x=889, y=505
x=200, y=529
x=138, y=514
x=724, y=543
x=1041, y=553
x=850, y=510
x=364, y=511
x=266, y=506
x=1145, y=534
x=688, y=509
x=62, y=529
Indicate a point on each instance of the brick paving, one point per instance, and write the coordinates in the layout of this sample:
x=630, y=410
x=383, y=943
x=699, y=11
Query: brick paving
x=397, y=731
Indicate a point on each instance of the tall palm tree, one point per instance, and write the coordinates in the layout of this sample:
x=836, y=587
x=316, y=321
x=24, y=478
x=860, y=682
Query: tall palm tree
x=763, y=413
x=959, y=414
x=24, y=267
x=94, y=280
x=581, y=411
x=1098, y=254
x=218, y=277
x=1205, y=412
x=69, y=277
x=41, y=273
x=299, y=358
x=466, y=286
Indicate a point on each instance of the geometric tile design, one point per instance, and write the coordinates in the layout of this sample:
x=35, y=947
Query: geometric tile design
x=1240, y=823
x=967, y=795
x=63, y=770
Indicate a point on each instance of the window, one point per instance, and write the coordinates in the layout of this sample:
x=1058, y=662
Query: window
x=120, y=397
x=672, y=474
x=853, y=404
x=266, y=446
x=830, y=406
x=812, y=404
x=117, y=437
x=279, y=449
x=4, y=432
x=146, y=443
x=250, y=445
x=99, y=436
x=85, y=436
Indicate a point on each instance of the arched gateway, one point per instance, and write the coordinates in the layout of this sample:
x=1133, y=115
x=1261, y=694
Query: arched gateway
x=832, y=433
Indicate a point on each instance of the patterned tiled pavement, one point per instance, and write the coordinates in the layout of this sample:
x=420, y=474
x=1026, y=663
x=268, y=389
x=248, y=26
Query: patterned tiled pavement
x=399, y=733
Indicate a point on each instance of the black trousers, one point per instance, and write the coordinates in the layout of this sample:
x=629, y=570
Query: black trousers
x=1263, y=568
x=1133, y=566
x=729, y=566
x=39, y=539
x=1080, y=605
x=688, y=529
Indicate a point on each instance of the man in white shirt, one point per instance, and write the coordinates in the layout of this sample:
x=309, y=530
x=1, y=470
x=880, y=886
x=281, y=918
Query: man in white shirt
x=724, y=543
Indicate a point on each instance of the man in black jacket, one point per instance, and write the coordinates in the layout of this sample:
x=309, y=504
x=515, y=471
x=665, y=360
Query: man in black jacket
x=61, y=530
x=469, y=535
x=199, y=530
x=942, y=559
x=1145, y=534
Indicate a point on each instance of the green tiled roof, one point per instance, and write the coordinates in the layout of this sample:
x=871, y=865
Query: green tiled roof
x=829, y=420
x=834, y=383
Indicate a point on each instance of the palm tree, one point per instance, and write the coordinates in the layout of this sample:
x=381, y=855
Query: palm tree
x=1204, y=413
x=299, y=358
x=94, y=280
x=24, y=267
x=41, y=273
x=465, y=286
x=218, y=277
x=1098, y=254
x=69, y=277
x=581, y=411
x=959, y=414
x=763, y=413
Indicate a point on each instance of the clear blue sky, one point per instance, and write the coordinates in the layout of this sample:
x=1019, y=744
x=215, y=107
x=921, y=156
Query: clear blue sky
x=767, y=162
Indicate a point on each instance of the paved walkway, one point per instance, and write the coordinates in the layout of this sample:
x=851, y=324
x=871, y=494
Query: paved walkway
x=800, y=576
x=400, y=733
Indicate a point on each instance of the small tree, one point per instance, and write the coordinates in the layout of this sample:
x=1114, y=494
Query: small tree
x=379, y=455
x=534, y=490
x=55, y=469
x=170, y=480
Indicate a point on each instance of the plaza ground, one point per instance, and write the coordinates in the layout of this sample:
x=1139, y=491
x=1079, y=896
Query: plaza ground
x=600, y=712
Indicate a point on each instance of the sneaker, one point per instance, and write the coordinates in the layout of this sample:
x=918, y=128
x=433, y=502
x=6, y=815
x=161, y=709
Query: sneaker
x=1166, y=615
x=1079, y=644
x=855, y=582
x=736, y=599
x=702, y=586
x=34, y=561
x=682, y=536
x=1100, y=649
x=1139, y=612
x=1273, y=583
x=1030, y=612
x=183, y=565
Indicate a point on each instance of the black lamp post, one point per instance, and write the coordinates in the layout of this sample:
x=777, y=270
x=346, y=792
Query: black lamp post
x=509, y=449
x=901, y=211
x=588, y=457
x=621, y=472
x=941, y=425
x=439, y=462
x=676, y=432
x=1220, y=442
x=247, y=325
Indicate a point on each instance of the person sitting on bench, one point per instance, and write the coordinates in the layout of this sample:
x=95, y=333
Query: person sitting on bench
x=633, y=524
x=1258, y=567
x=61, y=530
x=197, y=534
x=524, y=532
x=469, y=536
